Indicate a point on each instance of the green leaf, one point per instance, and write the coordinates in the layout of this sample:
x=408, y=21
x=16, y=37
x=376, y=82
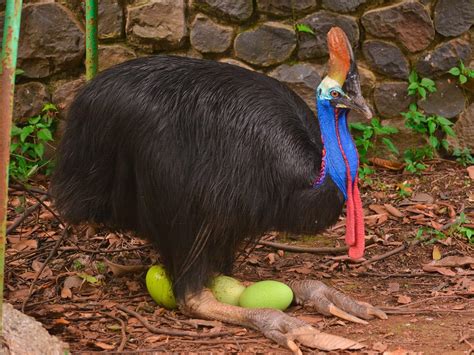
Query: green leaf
x=443, y=121
x=413, y=77
x=449, y=131
x=16, y=131
x=454, y=71
x=413, y=86
x=434, y=142
x=431, y=127
x=25, y=132
x=34, y=120
x=445, y=144
x=422, y=92
x=462, y=79
x=39, y=150
x=390, y=145
x=358, y=126
x=304, y=28
x=19, y=72
x=45, y=134
x=427, y=82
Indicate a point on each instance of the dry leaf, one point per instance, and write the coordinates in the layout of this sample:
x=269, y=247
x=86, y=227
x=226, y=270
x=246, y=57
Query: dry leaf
x=441, y=270
x=133, y=286
x=422, y=197
x=104, y=346
x=393, y=210
x=61, y=321
x=73, y=282
x=29, y=244
x=119, y=270
x=470, y=171
x=66, y=293
x=387, y=164
x=393, y=287
x=380, y=347
x=453, y=261
x=402, y=299
x=436, y=253
x=379, y=209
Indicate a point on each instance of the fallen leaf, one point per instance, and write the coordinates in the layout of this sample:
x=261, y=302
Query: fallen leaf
x=36, y=265
x=379, y=209
x=393, y=210
x=73, y=282
x=29, y=244
x=380, y=347
x=119, y=270
x=387, y=164
x=422, y=197
x=133, y=286
x=61, y=321
x=104, y=346
x=393, y=287
x=402, y=299
x=470, y=171
x=436, y=225
x=66, y=293
x=453, y=261
x=436, y=253
x=441, y=270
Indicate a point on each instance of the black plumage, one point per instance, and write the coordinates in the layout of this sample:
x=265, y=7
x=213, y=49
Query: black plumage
x=199, y=157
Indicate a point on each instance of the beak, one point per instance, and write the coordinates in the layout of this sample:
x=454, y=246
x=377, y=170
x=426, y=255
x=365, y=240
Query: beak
x=354, y=93
x=356, y=103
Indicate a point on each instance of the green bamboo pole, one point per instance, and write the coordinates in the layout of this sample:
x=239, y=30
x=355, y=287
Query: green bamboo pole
x=92, y=58
x=11, y=33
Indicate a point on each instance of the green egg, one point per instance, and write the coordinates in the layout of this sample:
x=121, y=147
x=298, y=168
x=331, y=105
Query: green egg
x=227, y=289
x=267, y=294
x=159, y=287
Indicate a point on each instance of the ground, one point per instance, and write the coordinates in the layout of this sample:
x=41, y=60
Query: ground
x=86, y=275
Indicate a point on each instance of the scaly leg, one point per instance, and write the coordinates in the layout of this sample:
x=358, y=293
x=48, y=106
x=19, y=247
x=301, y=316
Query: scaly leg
x=276, y=325
x=327, y=300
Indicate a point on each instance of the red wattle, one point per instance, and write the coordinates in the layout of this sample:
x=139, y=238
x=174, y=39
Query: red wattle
x=350, y=215
x=357, y=251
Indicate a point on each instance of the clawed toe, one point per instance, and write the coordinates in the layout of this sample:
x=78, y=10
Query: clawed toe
x=291, y=332
x=329, y=301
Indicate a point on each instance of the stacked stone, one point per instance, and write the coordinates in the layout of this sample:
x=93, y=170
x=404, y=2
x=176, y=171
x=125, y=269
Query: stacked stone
x=430, y=36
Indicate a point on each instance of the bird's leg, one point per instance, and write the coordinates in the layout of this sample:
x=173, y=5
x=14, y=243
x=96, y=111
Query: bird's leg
x=329, y=301
x=276, y=325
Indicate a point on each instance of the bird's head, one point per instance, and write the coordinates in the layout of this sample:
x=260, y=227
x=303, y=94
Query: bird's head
x=341, y=87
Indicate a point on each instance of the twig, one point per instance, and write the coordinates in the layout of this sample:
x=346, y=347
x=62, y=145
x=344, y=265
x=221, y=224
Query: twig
x=423, y=311
x=167, y=331
x=297, y=249
x=123, y=329
x=105, y=251
x=388, y=254
x=21, y=187
x=48, y=208
x=25, y=214
x=38, y=274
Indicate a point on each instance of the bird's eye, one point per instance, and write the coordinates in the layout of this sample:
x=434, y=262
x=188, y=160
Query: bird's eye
x=335, y=94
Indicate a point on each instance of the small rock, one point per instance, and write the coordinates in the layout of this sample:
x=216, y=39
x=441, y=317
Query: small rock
x=303, y=78
x=235, y=62
x=391, y=98
x=286, y=7
x=453, y=17
x=269, y=44
x=210, y=37
x=29, y=100
x=321, y=22
x=233, y=10
x=342, y=5
x=448, y=100
x=408, y=22
x=160, y=24
x=464, y=129
x=114, y=54
x=386, y=58
x=64, y=94
x=444, y=57
x=51, y=40
x=110, y=21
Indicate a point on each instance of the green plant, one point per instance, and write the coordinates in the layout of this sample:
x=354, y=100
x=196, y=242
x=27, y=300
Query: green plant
x=430, y=235
x=413, y=158
x=28, y=145
x=458, y=228
x=463, y=156
x=419, y=85
x=368, y=135
x=462, y=73
x=404, y=189
x=304, y=28
x=77, y=265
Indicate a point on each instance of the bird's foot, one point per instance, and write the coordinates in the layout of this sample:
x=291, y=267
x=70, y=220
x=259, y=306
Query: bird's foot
x=285, y=330
x=329, y=301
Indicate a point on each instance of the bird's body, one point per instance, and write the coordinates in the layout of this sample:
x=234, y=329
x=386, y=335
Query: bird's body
x=187, y=152
x=202, y=158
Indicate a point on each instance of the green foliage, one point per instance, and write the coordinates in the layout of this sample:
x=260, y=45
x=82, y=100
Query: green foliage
x=365, y=172
x=101, y=267
x=462, y=73
x=463, y=156
x=304, y=28
x=457, y=230
x=404, y=189
x=28, y=145
x=77, y=265
x=368, y=135
x=414, y=157
x=420, y=86
x=463, y=231
x=430, y=235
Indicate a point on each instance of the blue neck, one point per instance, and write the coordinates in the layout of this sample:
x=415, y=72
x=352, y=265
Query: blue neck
x=335, y=165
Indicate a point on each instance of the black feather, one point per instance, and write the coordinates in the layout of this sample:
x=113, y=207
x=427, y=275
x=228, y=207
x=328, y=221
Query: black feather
x=197, y=156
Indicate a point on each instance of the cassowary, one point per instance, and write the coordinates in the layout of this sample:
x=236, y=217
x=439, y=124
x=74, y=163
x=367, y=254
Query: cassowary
x=202, y=158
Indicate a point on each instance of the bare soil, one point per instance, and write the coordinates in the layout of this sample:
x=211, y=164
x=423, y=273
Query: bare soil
x=91, y=271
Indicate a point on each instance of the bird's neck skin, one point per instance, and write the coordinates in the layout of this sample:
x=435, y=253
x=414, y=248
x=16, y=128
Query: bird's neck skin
x=340, y=151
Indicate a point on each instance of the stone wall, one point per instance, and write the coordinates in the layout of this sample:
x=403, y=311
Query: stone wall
x=391, y=38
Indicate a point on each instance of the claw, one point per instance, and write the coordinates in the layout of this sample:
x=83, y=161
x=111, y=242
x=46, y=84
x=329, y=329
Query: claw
x=335, y=311
x=327, y=301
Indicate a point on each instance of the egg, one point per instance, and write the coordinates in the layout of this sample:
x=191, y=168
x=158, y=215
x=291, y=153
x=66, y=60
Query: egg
x=267, y=294
x=159, y=287
x=227, y=289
